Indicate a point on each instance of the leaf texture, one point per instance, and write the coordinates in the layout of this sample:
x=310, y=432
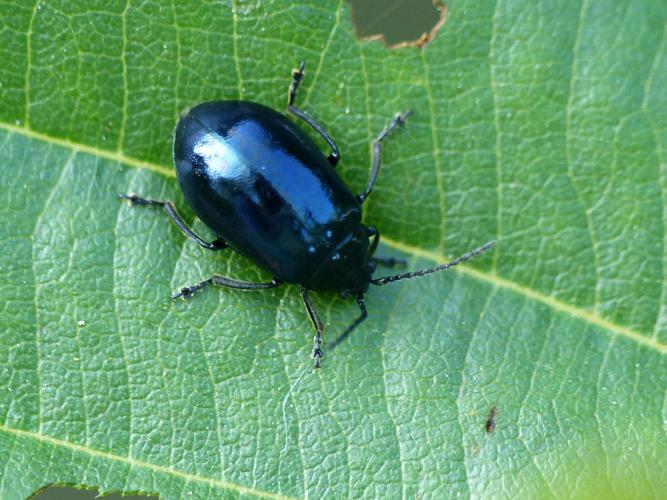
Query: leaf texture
x=542, y=125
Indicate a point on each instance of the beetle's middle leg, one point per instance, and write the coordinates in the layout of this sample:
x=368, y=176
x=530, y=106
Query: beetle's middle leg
x=170, y=209
x=297, y=76
x=397, y=121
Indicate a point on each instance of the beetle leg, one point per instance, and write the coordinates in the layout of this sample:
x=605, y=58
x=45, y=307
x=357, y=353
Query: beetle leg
x=397, y=121
x=362, y=316
x=216, y=279
x=387, y=262
x=375, y=233
x=318, y=353
x=297, y=76
x=170, y=209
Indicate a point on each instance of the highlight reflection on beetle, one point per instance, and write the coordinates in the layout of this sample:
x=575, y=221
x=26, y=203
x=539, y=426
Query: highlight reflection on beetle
x=262, y=185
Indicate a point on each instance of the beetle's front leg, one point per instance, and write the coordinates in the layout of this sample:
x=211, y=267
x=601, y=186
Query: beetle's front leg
x=297, y=76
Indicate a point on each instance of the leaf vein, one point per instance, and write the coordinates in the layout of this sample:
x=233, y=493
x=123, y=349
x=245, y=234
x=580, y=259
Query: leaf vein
x=568, y=154
x=235, y=43
x=179, y=63
x=120, y=335
x=38, y=343
x=394, y=426
x=522, y=405
x=323, y=53
x=497, y=149
x=660, y=320
x=551, y=302
x=599, y=426
x=287, y=397
x=437, y=153
x=28, y=67
x=485, y=276
x=487, y=302
x=654, y=68
x=4, y=474
x=123, y=62
x=133, y=462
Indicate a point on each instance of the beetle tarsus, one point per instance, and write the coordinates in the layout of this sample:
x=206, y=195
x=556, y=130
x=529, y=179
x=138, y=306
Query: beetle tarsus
x=133, y=199
x=318, y=353
x=297, y=77
x=187, y=292
x=218, y=244
x=398, y=120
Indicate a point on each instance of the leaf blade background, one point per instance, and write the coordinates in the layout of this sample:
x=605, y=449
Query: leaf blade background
x=550, y=327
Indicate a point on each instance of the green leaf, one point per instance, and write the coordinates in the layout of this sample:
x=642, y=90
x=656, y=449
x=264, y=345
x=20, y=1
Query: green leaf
x=542, y=125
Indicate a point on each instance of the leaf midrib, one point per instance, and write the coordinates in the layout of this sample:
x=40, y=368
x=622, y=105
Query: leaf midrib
x=491, y=278
x=92, y=452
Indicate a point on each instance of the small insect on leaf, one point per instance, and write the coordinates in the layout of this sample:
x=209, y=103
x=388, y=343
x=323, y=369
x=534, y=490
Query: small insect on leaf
x=491, y=420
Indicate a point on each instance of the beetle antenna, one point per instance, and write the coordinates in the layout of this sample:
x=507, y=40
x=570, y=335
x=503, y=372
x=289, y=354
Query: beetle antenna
x=415, y=274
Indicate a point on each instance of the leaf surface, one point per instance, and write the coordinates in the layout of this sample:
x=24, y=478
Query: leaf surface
x=542, y=126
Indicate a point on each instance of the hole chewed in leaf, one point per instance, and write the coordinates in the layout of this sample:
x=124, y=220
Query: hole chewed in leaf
x=399, y=23
x=61, y=492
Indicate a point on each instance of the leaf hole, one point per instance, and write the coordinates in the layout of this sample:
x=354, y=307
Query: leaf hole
x=62, y=492
x=398, y=23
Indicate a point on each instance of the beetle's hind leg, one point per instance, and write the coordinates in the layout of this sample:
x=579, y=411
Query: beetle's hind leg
x=216, y=279
x=397, y=121
x=318, y=353
x=297, y=76
x=170, y=210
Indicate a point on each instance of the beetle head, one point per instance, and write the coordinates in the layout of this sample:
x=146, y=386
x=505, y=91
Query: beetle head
x=347, y=269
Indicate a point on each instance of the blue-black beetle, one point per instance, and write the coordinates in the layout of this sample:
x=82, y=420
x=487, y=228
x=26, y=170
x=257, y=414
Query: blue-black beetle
x=266, y=190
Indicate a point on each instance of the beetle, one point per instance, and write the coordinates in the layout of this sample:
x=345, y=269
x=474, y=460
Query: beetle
x=267, y=191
